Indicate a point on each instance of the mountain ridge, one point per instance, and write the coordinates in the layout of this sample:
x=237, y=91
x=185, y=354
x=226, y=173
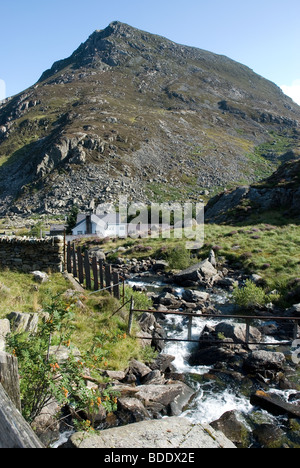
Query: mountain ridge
x=136, y=113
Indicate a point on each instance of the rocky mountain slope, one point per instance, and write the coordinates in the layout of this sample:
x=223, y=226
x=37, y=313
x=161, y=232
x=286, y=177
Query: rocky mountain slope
x=278, y=193
x=134, y=113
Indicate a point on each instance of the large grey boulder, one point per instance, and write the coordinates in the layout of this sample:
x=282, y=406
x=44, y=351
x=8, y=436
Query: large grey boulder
x=203, y=272
x=171, y=433
x=190, y=295
x=165, y=399
x=237, y=332
x=260, y=361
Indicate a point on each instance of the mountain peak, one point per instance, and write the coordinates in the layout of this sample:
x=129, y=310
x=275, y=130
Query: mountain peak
x=118, y=26
x=110, y=46
x=115, y=28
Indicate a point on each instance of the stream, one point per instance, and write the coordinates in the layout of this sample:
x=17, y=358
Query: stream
x=210, y=402
x=212, y=398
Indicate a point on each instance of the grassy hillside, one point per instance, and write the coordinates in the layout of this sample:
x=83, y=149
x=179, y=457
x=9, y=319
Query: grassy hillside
x=93, y=314
x=272, y=251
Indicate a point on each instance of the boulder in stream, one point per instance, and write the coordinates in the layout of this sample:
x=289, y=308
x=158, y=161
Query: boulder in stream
x=233, y=426
x=274, y=404
x=261, y=361
x=203, y=273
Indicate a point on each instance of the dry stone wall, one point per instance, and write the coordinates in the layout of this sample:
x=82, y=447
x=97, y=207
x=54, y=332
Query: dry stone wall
x=32, y=254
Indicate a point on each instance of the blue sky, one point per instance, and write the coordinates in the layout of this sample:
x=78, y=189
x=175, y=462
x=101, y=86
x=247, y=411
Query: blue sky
x=262, y=34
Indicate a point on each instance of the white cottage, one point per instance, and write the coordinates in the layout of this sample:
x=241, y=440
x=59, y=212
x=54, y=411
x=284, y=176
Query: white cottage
x=105, y=225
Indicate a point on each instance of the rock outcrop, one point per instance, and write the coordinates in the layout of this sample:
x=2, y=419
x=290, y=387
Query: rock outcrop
x=280, y=192
x=171, y=433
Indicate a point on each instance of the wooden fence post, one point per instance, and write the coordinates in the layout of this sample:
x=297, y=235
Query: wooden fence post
x=80, y=265
x=74, y=261
x=295, y=330
x=87, y=270
x=130, y=321
x=65, y=250
x=108, y=277
x=116, y=287
x=101, y=274
x=95, y=273
x=69, y=269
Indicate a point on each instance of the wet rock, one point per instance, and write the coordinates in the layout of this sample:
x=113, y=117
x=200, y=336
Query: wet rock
x=149, y=325
x=261, y=361
x=163, y=363
x=231, y=424
x=170, y=398
x=158, y=341
x=274, y=404
x=168, y=299
x=269, y=436
x=237, y=332
x=147, y=322
x=211, y=355
x=190, y=295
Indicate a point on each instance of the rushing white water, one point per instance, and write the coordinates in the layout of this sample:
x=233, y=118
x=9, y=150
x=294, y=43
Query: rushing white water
x=210, y=406
x=210, y=401
x=63, y=438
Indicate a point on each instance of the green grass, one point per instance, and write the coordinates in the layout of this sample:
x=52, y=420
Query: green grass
x=272, y=251
x=20, y=293
x=95, y=317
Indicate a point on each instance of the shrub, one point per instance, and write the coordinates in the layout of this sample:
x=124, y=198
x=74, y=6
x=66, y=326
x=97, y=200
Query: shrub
x=249, y=296
x=178, y=258
x=43, y=378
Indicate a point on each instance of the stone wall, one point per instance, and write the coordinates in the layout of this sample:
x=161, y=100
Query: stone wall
x=32, y=254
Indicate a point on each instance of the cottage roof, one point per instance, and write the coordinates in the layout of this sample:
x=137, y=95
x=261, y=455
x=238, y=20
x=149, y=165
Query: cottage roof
x=106, y=218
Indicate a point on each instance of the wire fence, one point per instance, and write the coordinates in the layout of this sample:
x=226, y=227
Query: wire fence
x=97, y=277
